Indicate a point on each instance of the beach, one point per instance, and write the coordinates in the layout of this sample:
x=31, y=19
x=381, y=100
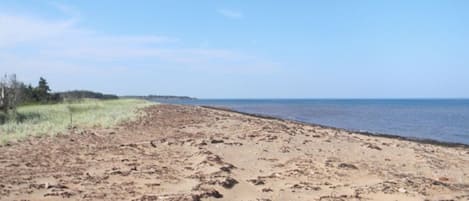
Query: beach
x=175, y=152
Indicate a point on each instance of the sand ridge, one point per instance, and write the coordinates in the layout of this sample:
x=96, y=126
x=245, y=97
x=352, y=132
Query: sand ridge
x=175, y=152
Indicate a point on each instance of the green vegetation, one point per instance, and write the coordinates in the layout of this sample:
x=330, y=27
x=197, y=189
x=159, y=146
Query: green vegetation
x=14, y=93
x=79, y=94
x=55, y=118
x=26, y=110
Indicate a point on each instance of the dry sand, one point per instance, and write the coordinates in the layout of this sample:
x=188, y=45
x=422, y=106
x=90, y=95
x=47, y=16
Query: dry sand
x=193, y=153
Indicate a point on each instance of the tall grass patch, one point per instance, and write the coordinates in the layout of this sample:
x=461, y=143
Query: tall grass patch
x=55, y=118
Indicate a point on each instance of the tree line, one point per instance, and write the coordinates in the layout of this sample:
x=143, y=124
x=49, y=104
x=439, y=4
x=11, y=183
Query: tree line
x=14, y=93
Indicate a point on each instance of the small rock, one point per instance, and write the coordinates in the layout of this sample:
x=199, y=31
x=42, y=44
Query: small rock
x=256, y=181
x=152, y=184
x=443, y=179
x=59, y=186
x=439, y=183
x=347, y=166
x=227, y=167
x=229, y=182
x=215, y=141
x=195, y=197
x=372, y=146
x=296, y=186
x=402, y=190
x=212, y=193
x=153, y=144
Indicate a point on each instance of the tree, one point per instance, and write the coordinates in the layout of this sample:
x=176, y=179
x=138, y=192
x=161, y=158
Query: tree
x=10, y=93
x=43, y=86
x=41, y=92
x=27, y=94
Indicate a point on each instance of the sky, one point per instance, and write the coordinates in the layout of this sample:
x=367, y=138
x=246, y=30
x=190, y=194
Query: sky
x=241, y=49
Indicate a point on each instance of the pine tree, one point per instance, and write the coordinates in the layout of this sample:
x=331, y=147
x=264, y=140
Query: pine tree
x=42, y=91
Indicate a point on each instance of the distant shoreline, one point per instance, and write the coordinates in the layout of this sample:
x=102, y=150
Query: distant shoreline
x=160, y=97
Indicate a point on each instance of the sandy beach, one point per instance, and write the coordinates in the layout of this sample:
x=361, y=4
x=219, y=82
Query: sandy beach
x=175, y=152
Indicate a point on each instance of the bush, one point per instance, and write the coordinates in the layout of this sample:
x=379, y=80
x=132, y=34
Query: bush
x=3, y=118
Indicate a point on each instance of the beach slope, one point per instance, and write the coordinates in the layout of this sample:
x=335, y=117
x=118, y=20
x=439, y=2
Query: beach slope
x=174, y=152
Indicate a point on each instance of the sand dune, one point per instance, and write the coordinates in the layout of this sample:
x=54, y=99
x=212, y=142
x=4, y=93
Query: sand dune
x=192, y=153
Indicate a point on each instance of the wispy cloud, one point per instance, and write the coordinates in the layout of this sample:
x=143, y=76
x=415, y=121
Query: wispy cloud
x=66, y=10
x=66, y=52
x=232, y=14
x=18, y=29
x=65, y=40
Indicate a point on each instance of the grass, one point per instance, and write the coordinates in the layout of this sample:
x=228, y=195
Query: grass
x=52, y=119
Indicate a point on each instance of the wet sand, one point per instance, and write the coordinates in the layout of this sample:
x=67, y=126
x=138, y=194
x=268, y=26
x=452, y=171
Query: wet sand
x=192, y=153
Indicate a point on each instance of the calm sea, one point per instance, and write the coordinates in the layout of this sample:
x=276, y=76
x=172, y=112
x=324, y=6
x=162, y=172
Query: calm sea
x=436, y=119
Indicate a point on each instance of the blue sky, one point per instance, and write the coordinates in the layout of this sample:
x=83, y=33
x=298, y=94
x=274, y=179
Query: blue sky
x=241, y=49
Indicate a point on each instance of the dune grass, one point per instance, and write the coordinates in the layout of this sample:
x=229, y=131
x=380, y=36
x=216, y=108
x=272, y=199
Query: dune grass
x=55, y=118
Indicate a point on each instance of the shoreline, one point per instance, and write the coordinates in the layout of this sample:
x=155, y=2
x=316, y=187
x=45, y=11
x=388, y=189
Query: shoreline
x=366, y=133
x=193, y=153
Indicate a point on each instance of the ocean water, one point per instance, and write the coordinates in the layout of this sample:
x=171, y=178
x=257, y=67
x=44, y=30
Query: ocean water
x=445, y=120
